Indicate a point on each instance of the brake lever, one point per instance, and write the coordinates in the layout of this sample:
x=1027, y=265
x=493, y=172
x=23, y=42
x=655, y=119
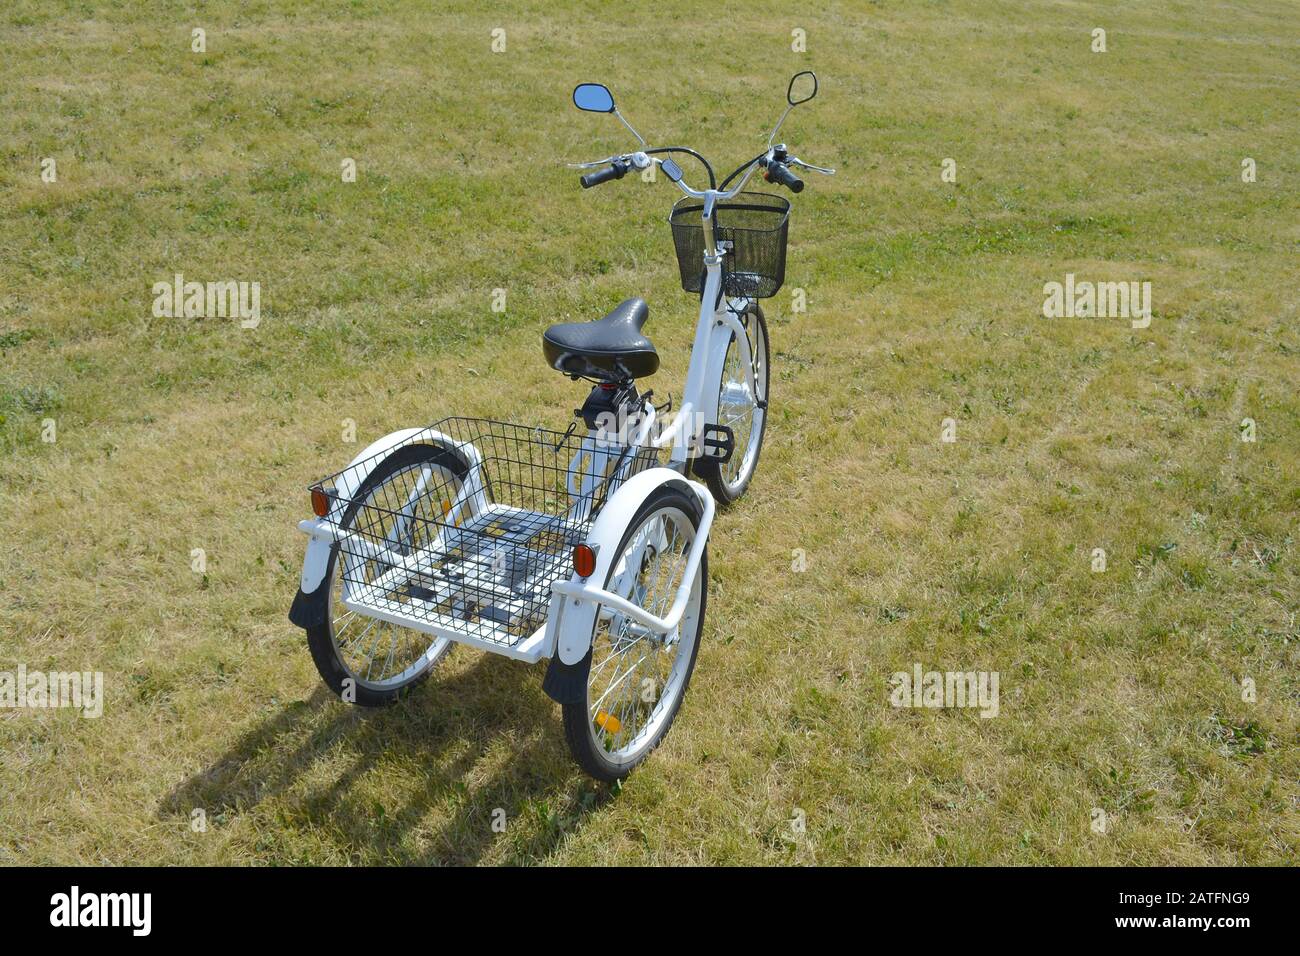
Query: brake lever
x=599, y=162
x=638, y=159
x=795, y=161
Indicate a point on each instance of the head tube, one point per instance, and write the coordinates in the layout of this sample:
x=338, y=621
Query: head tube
x=710, y=200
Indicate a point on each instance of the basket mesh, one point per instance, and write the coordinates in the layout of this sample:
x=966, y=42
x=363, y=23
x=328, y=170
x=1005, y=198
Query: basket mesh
x=757, y=227
x=463, y=527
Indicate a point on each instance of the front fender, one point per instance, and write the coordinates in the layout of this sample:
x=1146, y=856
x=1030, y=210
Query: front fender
x=703, y=394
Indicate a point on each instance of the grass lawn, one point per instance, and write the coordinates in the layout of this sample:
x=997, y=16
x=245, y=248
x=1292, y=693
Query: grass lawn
x=1161, y=692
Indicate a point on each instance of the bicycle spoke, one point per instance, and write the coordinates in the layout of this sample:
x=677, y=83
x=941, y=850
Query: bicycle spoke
x=614, y=683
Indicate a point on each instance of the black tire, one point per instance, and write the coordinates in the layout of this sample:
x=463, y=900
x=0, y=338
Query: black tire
x=709, y=471
x=320, y=638
x=577, y=719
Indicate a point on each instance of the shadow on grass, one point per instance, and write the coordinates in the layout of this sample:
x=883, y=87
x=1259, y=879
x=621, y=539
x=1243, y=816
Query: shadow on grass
x=318, y=769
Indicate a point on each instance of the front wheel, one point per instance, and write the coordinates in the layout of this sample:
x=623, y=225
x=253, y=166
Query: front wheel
x=740, y=410
x=636, y=679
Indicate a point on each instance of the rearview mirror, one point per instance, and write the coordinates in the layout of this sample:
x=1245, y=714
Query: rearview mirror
x=803, y=87
x=593, y=97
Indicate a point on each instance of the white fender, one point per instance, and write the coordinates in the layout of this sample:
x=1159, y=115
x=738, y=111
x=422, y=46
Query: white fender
x=728, y=325
x=574, y=620
x=704, y=408
x=318, y=547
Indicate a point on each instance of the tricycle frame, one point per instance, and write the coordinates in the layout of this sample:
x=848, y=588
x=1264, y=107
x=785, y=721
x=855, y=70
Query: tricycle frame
x=565, y=630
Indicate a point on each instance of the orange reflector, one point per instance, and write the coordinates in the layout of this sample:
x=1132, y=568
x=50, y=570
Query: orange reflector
x=584, y=560
x=320, y=502
x=608, y=722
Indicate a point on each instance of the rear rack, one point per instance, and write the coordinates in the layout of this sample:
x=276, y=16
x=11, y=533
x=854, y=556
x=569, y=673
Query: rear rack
x=461, y=528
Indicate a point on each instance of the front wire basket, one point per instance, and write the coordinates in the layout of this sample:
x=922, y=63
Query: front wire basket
x=756, y=225
x=462, y=528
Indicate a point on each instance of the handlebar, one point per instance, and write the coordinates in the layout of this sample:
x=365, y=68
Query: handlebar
x=780, y=174
x=616, y=170
x=775, y=161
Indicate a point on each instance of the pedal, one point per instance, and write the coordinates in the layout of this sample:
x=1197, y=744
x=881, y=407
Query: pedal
x=718, y=443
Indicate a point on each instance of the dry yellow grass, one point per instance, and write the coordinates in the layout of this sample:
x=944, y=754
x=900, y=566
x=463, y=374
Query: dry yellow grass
x=1120, y=691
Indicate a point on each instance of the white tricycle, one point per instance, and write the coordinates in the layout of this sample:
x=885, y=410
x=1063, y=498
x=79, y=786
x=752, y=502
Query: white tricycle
x=586, y=548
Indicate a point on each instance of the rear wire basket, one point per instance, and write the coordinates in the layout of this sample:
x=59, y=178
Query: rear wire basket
x=755, y=224
x=462, y=528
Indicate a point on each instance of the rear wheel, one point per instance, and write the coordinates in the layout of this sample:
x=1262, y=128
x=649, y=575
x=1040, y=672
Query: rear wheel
x=740, y=410
x=636, y=679
x=365, y=660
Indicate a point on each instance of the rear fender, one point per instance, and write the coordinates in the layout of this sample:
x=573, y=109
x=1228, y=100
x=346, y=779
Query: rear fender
x=574, y=620
x=309, y=606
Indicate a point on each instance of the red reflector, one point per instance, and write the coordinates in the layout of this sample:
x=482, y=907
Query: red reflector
x=320, y=502
x=584, y=560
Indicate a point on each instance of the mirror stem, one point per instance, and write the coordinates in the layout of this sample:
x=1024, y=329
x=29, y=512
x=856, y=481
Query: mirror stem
x=777, y=129
x=629, y=126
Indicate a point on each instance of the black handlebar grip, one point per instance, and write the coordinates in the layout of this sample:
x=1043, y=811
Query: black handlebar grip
x=603, y=175
x=780, y=174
